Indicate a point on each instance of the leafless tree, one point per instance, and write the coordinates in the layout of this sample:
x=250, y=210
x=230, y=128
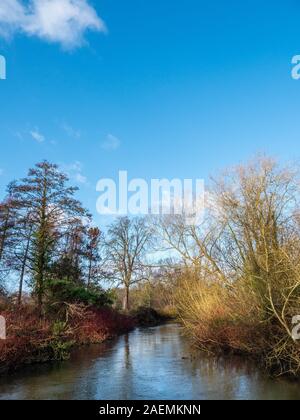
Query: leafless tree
x=127, y=244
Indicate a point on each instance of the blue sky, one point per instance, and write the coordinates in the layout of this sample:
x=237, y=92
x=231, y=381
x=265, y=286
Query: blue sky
x=159, y=88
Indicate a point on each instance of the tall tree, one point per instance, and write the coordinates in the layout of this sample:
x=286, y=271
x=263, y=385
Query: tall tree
x=45, y=195
x=128, y=242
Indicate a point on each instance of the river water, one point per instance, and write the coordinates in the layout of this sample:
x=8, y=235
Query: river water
x=151, y=363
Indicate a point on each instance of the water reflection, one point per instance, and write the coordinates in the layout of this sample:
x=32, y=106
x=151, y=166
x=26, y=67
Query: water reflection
x=154, y=363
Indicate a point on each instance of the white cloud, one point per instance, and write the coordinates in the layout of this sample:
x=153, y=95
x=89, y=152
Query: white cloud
x=81, y=179
x=111, y=143
x=37, y=136
x=61, y=21
x=70, y=131
x=74, y=172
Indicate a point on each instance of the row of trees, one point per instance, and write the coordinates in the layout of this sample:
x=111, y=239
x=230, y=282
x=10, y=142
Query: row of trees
x=47, y=235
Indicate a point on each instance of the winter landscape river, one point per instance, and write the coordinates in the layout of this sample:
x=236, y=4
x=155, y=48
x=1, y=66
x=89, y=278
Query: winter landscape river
x=148, y=363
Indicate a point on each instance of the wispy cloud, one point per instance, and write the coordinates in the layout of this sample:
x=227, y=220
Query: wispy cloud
x=71, y=131
x=74, y=172
x=37, y=136
x=61, y=21
x=111, y=143
x=81, y=179
x=1, y=171
x=19, y=135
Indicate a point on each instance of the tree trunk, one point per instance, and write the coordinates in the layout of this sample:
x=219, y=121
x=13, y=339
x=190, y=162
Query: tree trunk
x=21, y=283
x=40, y=272
x=23, y=270
x=126, y=299
x=90, y=273
x=41, y=250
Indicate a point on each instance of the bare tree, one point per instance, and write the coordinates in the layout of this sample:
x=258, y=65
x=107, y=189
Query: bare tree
x=127, y=244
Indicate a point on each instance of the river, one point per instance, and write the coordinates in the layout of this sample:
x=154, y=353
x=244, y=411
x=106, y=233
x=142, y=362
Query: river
x=149, y=363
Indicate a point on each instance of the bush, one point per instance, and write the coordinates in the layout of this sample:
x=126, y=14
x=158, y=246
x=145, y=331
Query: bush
x=98, y=325
x=32, y=339
x=67, y=291
x=237, y=319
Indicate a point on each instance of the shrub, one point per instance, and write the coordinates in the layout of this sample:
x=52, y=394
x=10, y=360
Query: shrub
x=68, y=291
x=236, y=319
x=31, y=339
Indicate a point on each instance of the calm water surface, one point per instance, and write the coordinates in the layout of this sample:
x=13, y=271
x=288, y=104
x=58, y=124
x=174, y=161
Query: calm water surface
x=152, y=363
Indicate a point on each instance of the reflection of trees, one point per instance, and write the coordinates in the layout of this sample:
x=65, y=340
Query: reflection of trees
x=127, y=352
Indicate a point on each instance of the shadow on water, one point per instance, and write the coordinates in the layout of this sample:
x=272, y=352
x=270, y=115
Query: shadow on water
x=152, y=363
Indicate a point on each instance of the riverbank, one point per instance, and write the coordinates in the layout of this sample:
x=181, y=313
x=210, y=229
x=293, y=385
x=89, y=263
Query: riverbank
x=236, y=320
x=32, y=339
x=149, y=317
